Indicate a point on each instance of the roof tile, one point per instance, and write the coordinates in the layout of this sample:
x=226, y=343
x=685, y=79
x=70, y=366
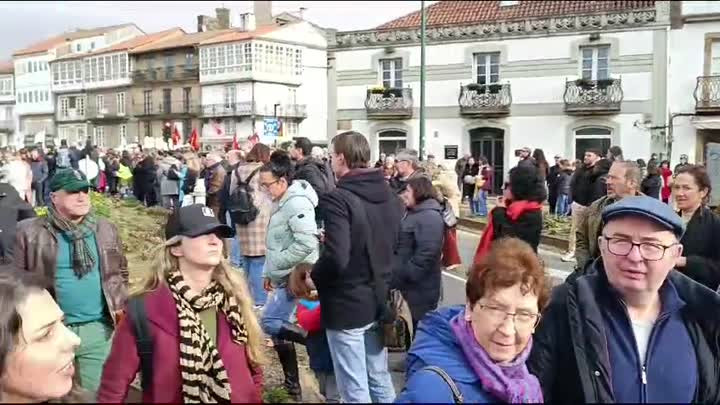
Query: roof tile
x=7, y=67
x=131, y=44
x=469, y=12
x=179, y=42
x=50, y=43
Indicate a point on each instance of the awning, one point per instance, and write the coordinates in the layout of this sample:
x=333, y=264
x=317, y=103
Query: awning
x=712, y=122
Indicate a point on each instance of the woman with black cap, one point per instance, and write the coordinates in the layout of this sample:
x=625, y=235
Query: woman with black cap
x=192, y=315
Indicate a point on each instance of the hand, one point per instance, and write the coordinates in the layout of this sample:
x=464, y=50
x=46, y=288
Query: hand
x=267, y=285
x=321, y=235
x=681, y=262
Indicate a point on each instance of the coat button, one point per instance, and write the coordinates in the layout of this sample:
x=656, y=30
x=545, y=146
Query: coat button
x=597, y=373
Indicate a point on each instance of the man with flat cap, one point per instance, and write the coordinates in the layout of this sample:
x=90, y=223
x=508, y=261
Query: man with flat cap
x=82, y=257
x=634, y=330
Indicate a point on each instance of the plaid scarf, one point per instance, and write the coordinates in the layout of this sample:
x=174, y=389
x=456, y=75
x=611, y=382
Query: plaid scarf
x=82, y=258
x=201, y=368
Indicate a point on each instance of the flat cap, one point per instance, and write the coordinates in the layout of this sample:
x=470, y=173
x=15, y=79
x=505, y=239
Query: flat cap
x=646, y=207
x=70, y=180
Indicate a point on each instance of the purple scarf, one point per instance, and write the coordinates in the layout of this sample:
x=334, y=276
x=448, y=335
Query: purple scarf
x=510, y=383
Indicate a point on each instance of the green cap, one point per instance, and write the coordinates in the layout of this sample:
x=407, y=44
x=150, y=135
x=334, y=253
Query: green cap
x=69, y=180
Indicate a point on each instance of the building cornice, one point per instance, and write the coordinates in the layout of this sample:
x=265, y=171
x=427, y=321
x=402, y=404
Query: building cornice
x=611, y=21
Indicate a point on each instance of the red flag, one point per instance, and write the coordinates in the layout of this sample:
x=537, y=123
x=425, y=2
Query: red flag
x=175, y=135
x=235, y=145
x=194, y=143
x=254, y=139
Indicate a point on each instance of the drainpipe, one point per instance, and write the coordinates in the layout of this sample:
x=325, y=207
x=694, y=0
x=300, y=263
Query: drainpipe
x=670, y=138
x=422, y=80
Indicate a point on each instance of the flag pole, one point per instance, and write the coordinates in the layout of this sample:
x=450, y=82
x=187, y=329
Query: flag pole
x=422, y=79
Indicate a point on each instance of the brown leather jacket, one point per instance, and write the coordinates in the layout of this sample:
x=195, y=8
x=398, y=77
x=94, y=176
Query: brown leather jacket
x=36, y=251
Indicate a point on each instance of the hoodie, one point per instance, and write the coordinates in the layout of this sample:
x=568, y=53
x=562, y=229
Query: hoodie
x=360, y=206
x=435, y=344
x=291, y=236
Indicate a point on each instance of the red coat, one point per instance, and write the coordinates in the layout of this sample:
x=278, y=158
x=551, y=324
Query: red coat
x=666, y=176
x=123, y=362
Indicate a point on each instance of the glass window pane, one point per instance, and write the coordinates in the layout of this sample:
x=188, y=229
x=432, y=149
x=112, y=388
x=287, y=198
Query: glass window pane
x=587, y=53
x=602, y=63
x=494, y=78
x=494, y=69
x=385, y=64
x=603, y=52
x=495, y=58
x=602, y=74
x=587, y=74
x=587, y=64
x=387, y=84
x=398, y=64
x=386, y=75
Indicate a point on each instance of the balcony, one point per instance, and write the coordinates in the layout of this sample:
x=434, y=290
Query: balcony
x=71, y=114
x=168, y=110
x=480, y=100
x=228, y=110
x=283, y=110
x=707, y=95
x=590, y=97
x=7, y=126
x=391, y=103
x=164, y=74
x=105, y=113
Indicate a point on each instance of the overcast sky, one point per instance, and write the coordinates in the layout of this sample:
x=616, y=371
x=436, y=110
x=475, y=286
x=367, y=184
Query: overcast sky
x=30, y=21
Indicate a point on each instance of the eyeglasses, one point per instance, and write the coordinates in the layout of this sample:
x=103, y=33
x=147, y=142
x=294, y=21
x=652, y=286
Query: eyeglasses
x=267, y=185
x=523, y=320
x=648, y=251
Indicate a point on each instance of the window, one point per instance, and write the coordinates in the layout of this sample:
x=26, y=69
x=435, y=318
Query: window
x=78, y=48
x=390, y=141
x=186, y=99
x=120, y=98
x=592, y=138
x=487, y=67
x=100, y=101
x=63, y=72
x=101, y=69
x=29, y=67
x=36, y=96
x=147, y=101
x=146, y=127
x=189, y=60
x=715, y=58
x=123, y=135
x=115, y=66
x=56, y=74
x=93, y=70
x=229, y=96
x=221, y=59
x=212, y=59
x=247, y=63
x=78, y=71
x=595, y=62
x=291, y=129
x=204, y=58
x=391, y=72
x=99, y=137
x=108, y=67
x=72, y=102
x=167, y=101
x=229, y=127
x=168, y=60
x=64, y=107
x=92, y=45
x=80, y=106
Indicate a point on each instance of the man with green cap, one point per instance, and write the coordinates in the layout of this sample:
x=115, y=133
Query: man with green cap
x=82, y=258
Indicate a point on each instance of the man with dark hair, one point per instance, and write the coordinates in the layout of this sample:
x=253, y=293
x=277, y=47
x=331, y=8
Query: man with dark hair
x=581, y=186
x=362, y=220
x=13, y=209
x=615, y=153
x=310, y=169
x=552, y=183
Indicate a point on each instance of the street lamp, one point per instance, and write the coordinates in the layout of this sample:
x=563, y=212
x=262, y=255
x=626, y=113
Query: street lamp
x=275, y=109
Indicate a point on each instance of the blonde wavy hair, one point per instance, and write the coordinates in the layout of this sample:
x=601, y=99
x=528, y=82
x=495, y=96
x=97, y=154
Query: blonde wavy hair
x=164, y=262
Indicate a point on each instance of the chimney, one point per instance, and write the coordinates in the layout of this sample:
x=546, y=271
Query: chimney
x=223, y=18
x=263, y=13
x=247, y=22
x=202, y=23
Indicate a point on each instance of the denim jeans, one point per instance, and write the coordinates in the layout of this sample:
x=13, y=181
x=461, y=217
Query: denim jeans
x=253, y=269
x=236, y=257
x=562, y=206
x=361, y=365
x=278, y=310
x=479, y=203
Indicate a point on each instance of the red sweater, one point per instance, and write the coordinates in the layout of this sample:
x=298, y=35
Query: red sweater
x=123, y=361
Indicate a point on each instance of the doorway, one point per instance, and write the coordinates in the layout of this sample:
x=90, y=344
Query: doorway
x=490, y=143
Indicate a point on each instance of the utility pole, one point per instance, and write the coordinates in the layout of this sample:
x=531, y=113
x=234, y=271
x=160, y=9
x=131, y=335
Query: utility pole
x=422, y=80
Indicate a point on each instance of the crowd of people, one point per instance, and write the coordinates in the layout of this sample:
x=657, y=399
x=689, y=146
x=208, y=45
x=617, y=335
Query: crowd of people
x=278, y=247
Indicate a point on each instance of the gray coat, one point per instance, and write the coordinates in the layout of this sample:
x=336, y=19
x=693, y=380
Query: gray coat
x=416, y=262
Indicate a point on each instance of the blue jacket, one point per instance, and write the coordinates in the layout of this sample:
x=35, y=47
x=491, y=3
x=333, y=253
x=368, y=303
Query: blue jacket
x=435, y=345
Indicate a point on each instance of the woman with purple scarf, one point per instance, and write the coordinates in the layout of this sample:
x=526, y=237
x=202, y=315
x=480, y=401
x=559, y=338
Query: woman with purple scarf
x=476, y=353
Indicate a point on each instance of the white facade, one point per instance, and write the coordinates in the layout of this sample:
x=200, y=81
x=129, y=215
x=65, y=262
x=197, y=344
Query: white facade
x=694, y=53
x=536, y=68
x=8, y=119
x=282, y=72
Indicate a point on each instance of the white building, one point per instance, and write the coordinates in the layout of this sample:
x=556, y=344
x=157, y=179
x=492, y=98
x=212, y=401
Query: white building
x=274, y=70
x=35, y=104
x=694, y=79
x=501, y=75
x=8, y=120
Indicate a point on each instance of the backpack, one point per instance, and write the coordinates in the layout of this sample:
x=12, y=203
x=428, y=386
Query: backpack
x=240, y=203
x=143, y=340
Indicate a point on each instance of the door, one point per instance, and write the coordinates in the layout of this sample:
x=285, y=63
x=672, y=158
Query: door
x=490, y=143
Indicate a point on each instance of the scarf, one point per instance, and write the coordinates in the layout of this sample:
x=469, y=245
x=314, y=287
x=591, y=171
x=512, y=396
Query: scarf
x=82, y=258
x=514, y=211
x=510, y=383
x=202, y=370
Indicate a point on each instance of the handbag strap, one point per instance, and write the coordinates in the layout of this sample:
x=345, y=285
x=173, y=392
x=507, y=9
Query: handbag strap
x=457, y=395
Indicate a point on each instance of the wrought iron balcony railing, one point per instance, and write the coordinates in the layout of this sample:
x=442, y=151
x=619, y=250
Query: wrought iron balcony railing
x=71, y=114
x=707, y=94
x=593, y=96
x=228, y=110
x=165, y=108
x=106, y=112
x=283, y=110
x=389, y=103
x=485, y=99
x=163, y=74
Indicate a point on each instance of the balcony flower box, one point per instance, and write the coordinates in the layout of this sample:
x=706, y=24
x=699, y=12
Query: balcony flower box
x=604, y=84
x=584, y=84
x=377, y=90
x=476, y=87
x=387, y=93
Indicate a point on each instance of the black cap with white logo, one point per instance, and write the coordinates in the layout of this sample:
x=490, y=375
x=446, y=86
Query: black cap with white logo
x=196, y=220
